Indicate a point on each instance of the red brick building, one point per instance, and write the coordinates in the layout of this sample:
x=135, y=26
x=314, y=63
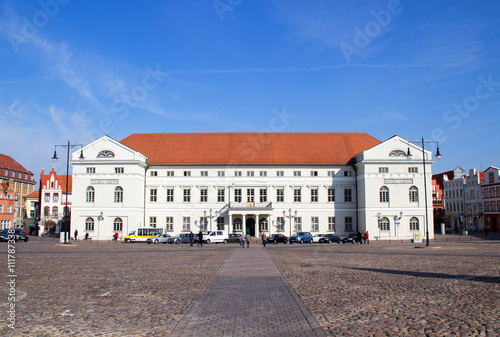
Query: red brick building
x=491, y=199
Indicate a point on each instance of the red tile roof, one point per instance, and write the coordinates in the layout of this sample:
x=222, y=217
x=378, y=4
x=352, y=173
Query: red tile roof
x=250, y=148
x=8, y=163
x=35, y=194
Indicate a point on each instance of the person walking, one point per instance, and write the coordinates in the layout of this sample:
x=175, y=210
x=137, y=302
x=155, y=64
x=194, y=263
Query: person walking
x=242, y=240
x=115, y=236
x=191, y=237
x=247, y=239
x=358, y=238
x=264, y=239
x=367, y=239
x=200, y=238
x=76, y=234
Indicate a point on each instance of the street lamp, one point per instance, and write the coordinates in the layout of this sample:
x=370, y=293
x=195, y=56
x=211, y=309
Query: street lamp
x=210, y=216
x=438, y=156
x=66, y=221
x=290, y=216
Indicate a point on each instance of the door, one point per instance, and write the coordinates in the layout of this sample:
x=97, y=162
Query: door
x=250, y=226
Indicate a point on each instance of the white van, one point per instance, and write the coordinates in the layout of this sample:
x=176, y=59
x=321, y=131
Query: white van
x=216, y=236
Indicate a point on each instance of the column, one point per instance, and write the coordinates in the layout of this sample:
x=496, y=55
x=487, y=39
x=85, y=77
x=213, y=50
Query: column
x=230, y=216
x=244, y=224
x=257, y=225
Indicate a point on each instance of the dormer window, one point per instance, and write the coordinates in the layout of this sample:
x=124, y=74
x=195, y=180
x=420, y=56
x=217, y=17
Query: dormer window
x=106, y=154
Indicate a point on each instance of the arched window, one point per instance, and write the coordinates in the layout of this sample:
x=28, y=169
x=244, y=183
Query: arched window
x=46, y=211
x=237, y=225
x=263, y=225
x=89, y=224
x=414, y=225
x=413, y=194
x=118, y=194
x=385, y=225
x=106, y=154
x=118, y=225
x=90, y=194
x=384, y=194
x=55, y=211
x=397, y=153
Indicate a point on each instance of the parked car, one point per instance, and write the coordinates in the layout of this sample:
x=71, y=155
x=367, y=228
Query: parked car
x=320, y=238
x=333, y=238
x=301, y=237
x=349, y=238
x=216, y=237
x=159, y=238
x=276, y=238
x=4, y=236
x=21, y=235
x=182, y=238
x=234, y=238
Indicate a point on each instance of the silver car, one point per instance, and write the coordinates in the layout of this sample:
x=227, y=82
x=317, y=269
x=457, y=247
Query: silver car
x=163, y=238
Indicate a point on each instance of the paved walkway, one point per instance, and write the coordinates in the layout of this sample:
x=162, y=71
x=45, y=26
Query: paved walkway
x=248, y=297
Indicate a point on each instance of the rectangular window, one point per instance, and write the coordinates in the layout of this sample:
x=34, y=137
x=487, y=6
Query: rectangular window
x=187, y=173
x=347, y=195
x=250, y=195
x=263, y=173
x=348, y=223
x=204, y=195
x=297, y=173
x=297, y=196
x=90, y=169
x=280, y=173
x=331, y=224
x=297, y=224
x=237, y=195
x=412, y=169
x=237, y=173
x=152, y=221
x=314, y=224
x=186, y=223
x=119, y=170
x=204, y=173
x=220, y=223
x=280, y=194
x=314, y=173
x=170, y=195
x=47, y=197
x=32, y=213
x=347, y=173
x=169, y=224
x=153, y=173
x=221, y=195
x=187, y=195
x=263, y=195
x=221, y=173
x=280, y=223
x=331, y=195
x=383, y=170
x=170, y=173
x=203, y=223
x=314, y=194
x=331, y=173
x=250, y=174
x=153, y=195
x=56, y=197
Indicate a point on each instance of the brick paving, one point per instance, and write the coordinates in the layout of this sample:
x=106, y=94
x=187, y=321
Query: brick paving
x=115, y=289
x=248, y=297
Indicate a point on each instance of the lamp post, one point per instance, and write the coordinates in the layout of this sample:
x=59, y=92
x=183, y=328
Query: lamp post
x=290, y=216
x=210, y=216
x=438, y=156
x=66, y=221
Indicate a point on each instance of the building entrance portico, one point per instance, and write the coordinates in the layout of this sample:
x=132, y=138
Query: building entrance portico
x=252, y=224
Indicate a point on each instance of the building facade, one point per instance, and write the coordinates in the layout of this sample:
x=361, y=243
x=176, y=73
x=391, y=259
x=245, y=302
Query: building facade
x=454, y=199
x=474, y=201
x=55, y=203
x=17, y=182
x=491, y=199
x=252, y=182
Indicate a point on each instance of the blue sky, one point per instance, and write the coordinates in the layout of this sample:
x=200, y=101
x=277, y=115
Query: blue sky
x=75, y=70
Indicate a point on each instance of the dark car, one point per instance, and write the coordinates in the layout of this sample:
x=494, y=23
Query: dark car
x=182, y=238
x=350, y=238
x=21, y=235
x=277, y=238
x=4, y=236
x=333, y=238
x=234, y=238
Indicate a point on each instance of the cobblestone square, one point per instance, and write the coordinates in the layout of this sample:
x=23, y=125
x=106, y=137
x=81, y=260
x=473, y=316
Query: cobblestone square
x=117, y=289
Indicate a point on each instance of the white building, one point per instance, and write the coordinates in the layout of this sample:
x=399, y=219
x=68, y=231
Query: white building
x=454, y=199
x=252, y=182
x=474, y=200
